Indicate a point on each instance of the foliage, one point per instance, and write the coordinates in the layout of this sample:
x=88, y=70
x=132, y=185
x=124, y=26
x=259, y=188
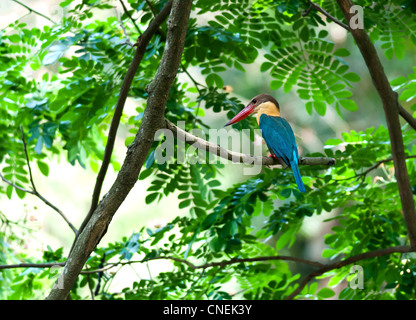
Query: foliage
x=66, y=109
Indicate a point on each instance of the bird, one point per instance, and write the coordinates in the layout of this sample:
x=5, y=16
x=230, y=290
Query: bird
x=276, y=132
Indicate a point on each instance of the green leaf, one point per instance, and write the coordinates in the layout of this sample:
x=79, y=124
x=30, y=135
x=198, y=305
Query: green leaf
x=325, y=293
x=217, y=244
x=351, y=76
x=398, y=81
x=389, y=53
x=209, y=220
x=320, y=107
x=184, y=204
x=51, y=57
x=275, y=84
x=9, y=191
x=214, y=78
x=308, y=107
x=14, y=38
x=145, y=173
x=20, y=193
x=333, y=142
x=304, y=34
x=343, y=94
x=43, y=167
x=329, y=253
x=350, y=105
x=341, y=52
x=285, y=193
x=239, y=66
x=151, y=197
x=284, y=239
x=39, y=145
x=266, y=66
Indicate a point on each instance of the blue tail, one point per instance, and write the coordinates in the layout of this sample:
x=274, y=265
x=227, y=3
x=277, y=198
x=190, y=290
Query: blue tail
x=296, y=173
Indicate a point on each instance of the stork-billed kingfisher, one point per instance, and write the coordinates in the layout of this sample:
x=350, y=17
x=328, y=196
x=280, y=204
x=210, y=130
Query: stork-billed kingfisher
x=276, y=131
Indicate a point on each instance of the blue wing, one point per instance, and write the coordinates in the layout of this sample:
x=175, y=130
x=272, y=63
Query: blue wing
x=281, y=142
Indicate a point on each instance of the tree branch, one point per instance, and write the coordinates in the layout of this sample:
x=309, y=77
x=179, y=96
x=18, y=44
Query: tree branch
x=31, y=265
x=141, y=44
x=322, y=268
x=202, y=144
x=346, y=262
x=137, y=152
x=407, y=116
x=221, y=264
x=325, y=13
x=402, y=111
x=27, y=160
x=390, y=102
x=34, y=11
x=378, y=163
x=373, y=167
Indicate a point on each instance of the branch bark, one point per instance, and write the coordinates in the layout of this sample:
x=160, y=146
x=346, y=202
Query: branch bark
x=391, y=108
x=141, y=44
x=31, y=265
x=202, y=144
x=407, y=116
x=322, y=268
x=346, y=262
x=136, y=154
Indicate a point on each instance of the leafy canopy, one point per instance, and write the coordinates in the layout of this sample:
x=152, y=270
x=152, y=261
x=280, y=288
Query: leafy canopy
x=60, y=84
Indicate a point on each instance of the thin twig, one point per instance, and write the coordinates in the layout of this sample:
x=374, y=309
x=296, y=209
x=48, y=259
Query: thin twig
x=126, y=11
x=27, y=161
x=378, y=163
x=346, y=262
x=34, y=191
x=322, y=268
x=159, y=30
x=120, y=21
x=325, y=13
x=196, y=83
x=307, y=11
x=32, y=265
x=16, y=186
x=221, y=264
x=373, y=167
x=34, y=11
x=407, y=116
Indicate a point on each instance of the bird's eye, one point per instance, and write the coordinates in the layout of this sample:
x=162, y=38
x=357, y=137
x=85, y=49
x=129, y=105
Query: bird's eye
x=254, y=101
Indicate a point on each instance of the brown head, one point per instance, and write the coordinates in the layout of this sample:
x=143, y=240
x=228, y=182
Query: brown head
x=262, y=103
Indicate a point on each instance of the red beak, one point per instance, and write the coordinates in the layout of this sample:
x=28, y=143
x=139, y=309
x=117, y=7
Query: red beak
x=242, y=114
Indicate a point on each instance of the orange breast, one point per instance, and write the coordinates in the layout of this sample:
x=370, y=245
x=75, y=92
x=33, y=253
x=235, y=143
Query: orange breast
x=268, y=108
